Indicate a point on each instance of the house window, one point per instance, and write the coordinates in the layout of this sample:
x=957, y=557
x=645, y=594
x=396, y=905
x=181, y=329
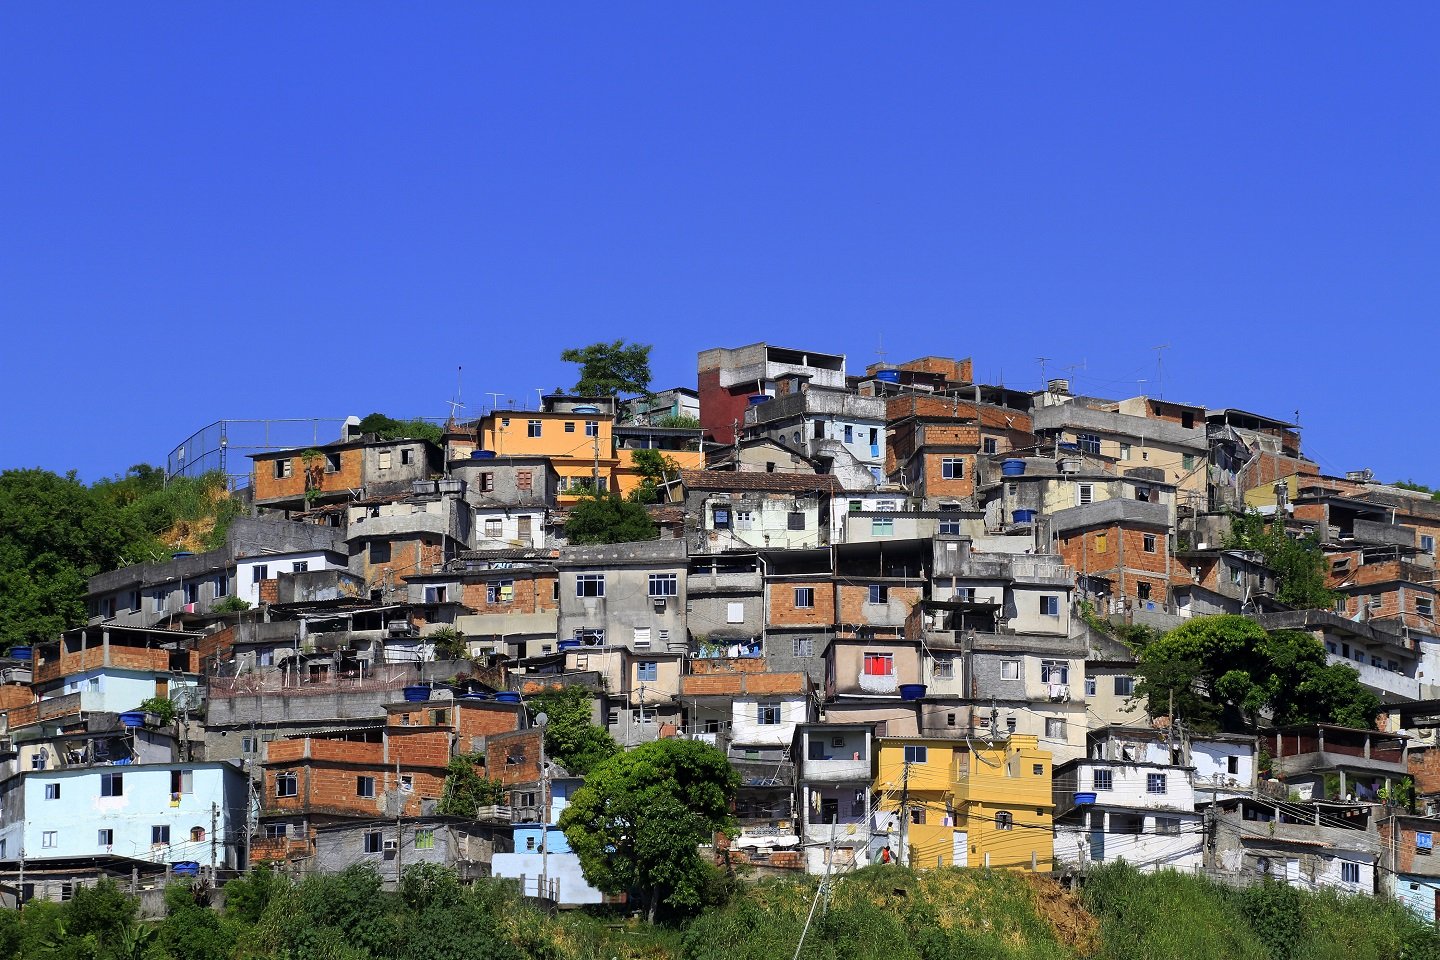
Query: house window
x=383, y=459
x=804, y=597
x=1009, y=669
x=1167, y=826
x=663, y=584
x=612, y=717
x=803, y=647
x=52, y=791
x=849, y=433
x=1427, y=543
x=105, y=838
x=916, y=754
x=50, y=839
x=182, y=782
x=1142, y=590
x=592, y=428
x=989, y=445
x=424, y=839
x=1155, y=783
x=917, y=815
x=952, y=468
x=720, y=518
x=768, y=714
x=112, y=785
x=949, y=526
x=1004, y=820
x=1102, y=779
x=332, y=463
x=735, y=611
x=1124, y=686
x=642, y=717
x=1375, y=601
x=1089, y=686
x=1148, y=542
x=945, y=668
x=532, y=428
x=647, y=671
x=1049, y=606
x=1054, y=671
x=522, y=479
x=222, y=589
x=434, y=594
x=374, y=841
x=744, y=520
x=1012, y=490
x=1124, y=451
x=286, y=785
x=407, y=455
x=160, y=834
x=1088, y=442
x=856, y=506
x=590, y=585
x=1424, y=606
x=1084, y=493
x=284, y=469
x=879, y=593
x=192, y=593
x=493, y=527
x=380, y=551
x=1054, y=728
x=879, y=665
x=500, y=591
x=1237, y=576
x=795, y=520
x=1187, y=462
x=364, y=786
x=569, y=426
x=1349, y=872
x=882, y=526
x=1102, y=542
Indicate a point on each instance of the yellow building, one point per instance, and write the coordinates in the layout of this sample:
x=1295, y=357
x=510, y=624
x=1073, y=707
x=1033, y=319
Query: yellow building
x=966, y=803
x=579, y=437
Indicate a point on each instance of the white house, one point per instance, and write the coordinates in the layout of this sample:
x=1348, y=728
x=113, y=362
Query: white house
x=1138, y=811
x=250, y=571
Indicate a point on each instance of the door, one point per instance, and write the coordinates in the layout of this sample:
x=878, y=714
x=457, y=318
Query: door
x=523, y=533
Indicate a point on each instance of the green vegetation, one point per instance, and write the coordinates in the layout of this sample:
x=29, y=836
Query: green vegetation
x=230, y=605
x=1223, y=671
x=1417, y=487
x=636, y=822
x=654, y=468
x=678, y=421
x=450, y=644
x=608, y=518
x=570, y=738
x=607, y=369
x=878, y=913
x=162, y=707
x=56, y=533
x=465, y=789
x=1299, y=564
x=388, y=428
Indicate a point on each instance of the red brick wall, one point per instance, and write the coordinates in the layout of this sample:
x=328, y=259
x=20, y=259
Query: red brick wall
x=13, y=695
x=348, y=477
x=1081, y=550
x=719, y=407
x=1265, y=468
x=935, y=483
x=533, y=594
x=855, y=597
x=784, y=613
x=1425, y=768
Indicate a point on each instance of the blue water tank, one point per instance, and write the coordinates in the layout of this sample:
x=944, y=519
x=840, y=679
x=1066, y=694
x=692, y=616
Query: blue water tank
x=181, y=554
x=133, y=718
x=585, y=409
x=1012, y=468
x=185, y=868
x=21, y=653
x=417, y=694
x=889, y=376
x=507, y=696
x=758, y=398
x=482, y=454
x=1023, y=516
x=912, y=691
x=1084, y=799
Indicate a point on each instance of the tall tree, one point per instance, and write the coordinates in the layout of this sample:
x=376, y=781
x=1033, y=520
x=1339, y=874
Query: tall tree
x=637, y=822
x=1299, y=563
x=608, y=518
x=607, y=369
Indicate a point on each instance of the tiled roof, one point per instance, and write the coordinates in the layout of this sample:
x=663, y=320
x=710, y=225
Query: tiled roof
x=748, y=480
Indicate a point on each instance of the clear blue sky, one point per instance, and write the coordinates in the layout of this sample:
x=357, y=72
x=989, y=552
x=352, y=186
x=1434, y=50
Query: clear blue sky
x=269, y=210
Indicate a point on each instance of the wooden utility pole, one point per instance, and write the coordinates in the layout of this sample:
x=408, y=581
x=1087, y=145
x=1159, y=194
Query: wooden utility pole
x=214, y=818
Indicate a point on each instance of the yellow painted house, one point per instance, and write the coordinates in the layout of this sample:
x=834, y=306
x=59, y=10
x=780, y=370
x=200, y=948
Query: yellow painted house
x=966, y=803
x=579, y=436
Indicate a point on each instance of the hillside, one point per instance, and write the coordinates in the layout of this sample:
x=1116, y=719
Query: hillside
x=880, y=913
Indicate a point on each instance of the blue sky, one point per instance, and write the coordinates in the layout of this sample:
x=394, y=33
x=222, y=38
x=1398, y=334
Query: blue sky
x=282, y=210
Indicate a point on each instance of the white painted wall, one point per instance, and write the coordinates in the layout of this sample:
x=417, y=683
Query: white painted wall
x=247, y=585
x=746, y=728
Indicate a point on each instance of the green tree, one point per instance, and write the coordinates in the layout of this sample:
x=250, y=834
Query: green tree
x=1226, y=670
x=465, y=789
x=247, y=897
x=638, y=819
x=608, y=518
x=388, y=428
x=607, y=369
x=1299, y=564
x=576, y=743
x=654, y=468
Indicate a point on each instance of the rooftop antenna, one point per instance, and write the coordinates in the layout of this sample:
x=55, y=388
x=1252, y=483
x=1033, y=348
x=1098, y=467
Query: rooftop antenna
x=455, y=405
x=880, y=349
x=1160, y=369
x=494, y=400
x=540, y=398
x=1042, y=361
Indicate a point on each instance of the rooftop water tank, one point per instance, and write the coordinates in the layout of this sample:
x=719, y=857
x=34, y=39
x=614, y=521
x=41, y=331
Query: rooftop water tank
x=1023, y=516
x=417, y=694
x=133, y=718
x=889, y=376
x=1012, y=468
x=21, y=653
x=1084, y=799
x=185, y=868
x=507, y=696
x=587, y=408
x=758, y=398
x=482, y=454
x=912, y=691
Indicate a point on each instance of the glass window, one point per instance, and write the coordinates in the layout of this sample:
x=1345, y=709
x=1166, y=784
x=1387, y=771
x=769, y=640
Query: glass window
x=1155, y=783
x=882, y=526
x=1004, y=820
x=1088, y=442
x=1349, y=872
x=50, y=838
x=1167, y=826
x=1050, y=606
x=112, y=785
x=664, y=584
x=795, y=520
x=1089, y=686
x=533, y=428
x=944, y=668
x=590, y=585
x=160, y=834
x=286, y=784
x=1054, y=671
x=804, y=597
x=1124, y=686
x=1009, y=669
x=500, y=591
x=52, y=791
x=424, y=839
x=879, y=593
x=916, y=754
x=105, y=838
x=768, y=714
x=1147, y=541
x=364, y=786
x=803, y=647
x=1054, y=728
x=989, y=445
x=374, y=841
x=952, y=468
x=1101, y=779
x=647, y=671
x=592, y=428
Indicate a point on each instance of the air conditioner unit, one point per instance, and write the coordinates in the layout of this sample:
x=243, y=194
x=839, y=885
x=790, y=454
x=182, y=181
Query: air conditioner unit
x=1059, y=692
x=392, y=845
x=659, y=604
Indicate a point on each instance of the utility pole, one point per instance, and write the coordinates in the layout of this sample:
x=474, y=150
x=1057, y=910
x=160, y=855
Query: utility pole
x=540, y=722
x=214, y=818
x=20, y=885
x=250, y=792
x=595, y=478
x=399, y=827
x=905, y=815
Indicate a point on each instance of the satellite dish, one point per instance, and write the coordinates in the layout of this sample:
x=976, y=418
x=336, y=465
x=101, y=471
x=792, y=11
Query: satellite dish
x=541, y=719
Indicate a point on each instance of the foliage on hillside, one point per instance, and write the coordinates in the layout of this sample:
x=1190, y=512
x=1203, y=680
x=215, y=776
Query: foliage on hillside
x=879, y=913
x=1299, y=564
x=388, y=428
x=571, y=738
x=56, y=533
x=608, y=518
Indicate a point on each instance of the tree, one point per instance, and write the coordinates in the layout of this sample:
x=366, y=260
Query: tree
x=1299, y=564
x=570, y=738
x=608, y=518
x=1227, y=670
x=465, y=789
x=607, y=369
x=637, y=821
x=388, y=428
x=654, y=468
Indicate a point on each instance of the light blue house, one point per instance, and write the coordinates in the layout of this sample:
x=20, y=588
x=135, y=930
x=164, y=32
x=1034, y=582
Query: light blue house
x=117, y=689
x=561, y=866
x=161, y=812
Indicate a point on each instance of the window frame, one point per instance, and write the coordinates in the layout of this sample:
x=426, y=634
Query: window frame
x=804, y=598
x=952, y=468
x=286, y=779
x=668, y=585
x=1102, y=778
x=594, y=582
x=878, y=659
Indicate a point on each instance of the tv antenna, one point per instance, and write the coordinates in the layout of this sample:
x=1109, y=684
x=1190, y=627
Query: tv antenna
x=494, y=400
x=1042, y=361
x=1160, y=369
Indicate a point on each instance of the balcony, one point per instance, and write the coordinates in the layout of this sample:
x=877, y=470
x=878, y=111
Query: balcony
x=1387, y=684
x=845, y=769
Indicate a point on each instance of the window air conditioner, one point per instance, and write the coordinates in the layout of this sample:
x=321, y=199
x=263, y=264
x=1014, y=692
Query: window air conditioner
x=392, y=845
